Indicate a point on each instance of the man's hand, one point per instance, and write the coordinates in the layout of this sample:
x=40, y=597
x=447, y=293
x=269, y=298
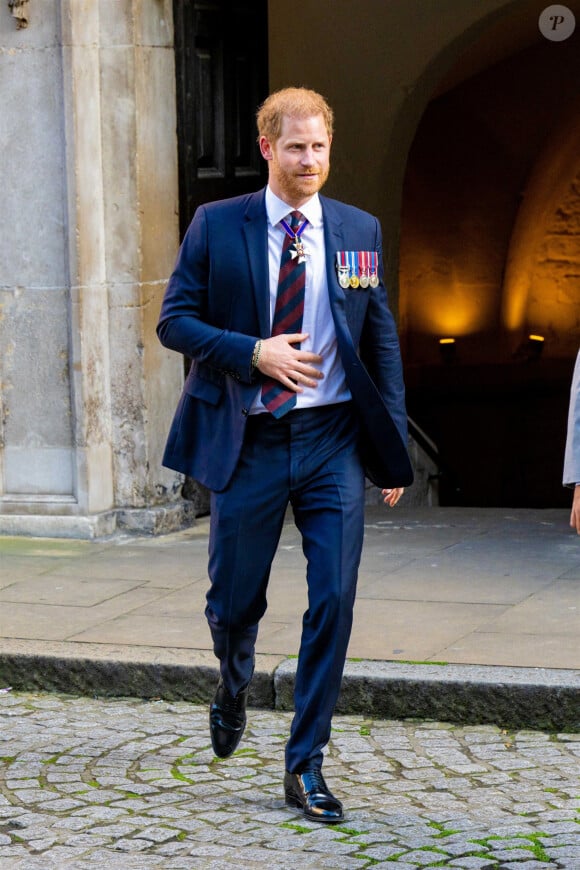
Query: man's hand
x=279, y=359
x=392, y=496
x=575, y=515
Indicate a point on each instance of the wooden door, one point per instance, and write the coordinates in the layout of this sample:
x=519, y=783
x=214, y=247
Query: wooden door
x=221, y=56
x=221, y=64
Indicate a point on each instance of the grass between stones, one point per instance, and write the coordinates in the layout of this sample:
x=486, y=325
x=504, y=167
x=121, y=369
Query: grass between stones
x=529, y=842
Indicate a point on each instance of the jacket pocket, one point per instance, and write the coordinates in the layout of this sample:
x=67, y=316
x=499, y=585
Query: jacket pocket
x=210, y=389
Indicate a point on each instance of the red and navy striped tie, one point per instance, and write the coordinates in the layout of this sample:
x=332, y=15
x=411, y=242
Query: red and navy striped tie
x=287, y=314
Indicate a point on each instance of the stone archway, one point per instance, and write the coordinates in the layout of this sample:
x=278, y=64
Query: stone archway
x=489, y=241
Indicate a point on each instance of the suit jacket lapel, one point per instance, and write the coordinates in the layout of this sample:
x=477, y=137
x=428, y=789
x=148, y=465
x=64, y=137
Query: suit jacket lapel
x=256, y=235
x=334, y=241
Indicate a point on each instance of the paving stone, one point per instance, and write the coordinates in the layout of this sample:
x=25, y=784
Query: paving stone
x=135, y=845
x=528, y=865
x=400, y=865
x=473, y=863
x=569, y=854
x=382, y=853
x=85, y=841
x=14, y=853
x=505, y=855
x=570, y=827
x=423, y=858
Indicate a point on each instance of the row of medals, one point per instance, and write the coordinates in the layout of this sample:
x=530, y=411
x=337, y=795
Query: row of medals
x=364, y=280
x=348, y=276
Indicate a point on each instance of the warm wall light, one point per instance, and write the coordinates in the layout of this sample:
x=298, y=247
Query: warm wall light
x=530, y=349
x=447, y=349
x=535, y=346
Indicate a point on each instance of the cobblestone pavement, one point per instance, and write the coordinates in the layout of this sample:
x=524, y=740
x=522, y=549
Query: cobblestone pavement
x=87, y=783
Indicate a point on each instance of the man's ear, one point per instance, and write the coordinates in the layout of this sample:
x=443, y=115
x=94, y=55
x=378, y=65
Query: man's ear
x=265, y=148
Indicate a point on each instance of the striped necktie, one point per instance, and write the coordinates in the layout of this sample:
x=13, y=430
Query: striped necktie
x=288, y=311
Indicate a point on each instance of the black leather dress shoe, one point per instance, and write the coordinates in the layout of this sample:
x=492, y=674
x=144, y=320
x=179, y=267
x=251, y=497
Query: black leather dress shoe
x=227, y=720
x=308, y=791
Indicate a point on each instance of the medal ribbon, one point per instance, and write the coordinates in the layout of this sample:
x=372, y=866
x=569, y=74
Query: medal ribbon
x=290, y=232
x=352, y=262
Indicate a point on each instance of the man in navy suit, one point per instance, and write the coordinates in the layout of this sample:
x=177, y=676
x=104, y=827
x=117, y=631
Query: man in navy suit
x=286, y=406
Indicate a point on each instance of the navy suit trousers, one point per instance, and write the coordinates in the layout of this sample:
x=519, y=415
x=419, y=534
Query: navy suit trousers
x=308, y=459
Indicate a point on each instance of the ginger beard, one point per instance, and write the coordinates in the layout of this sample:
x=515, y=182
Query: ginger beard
x=296, y=186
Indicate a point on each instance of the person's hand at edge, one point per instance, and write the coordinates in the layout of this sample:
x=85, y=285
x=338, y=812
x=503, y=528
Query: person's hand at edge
x=575, y=513
x=392, y=496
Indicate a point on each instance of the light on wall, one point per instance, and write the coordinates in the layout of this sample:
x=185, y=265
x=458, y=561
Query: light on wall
x=535, y=346
x=530, y=349
x=448, y=349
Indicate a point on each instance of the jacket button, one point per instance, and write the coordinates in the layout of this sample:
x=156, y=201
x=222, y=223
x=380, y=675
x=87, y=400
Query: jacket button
x=245, y=412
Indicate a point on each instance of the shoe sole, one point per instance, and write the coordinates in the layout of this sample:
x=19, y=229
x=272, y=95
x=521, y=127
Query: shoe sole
x=296, y=804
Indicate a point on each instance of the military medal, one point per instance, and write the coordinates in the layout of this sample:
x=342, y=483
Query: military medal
x=343, y=269
x=364, y=269
x=374, y=279
x=300, y=250
x=352, y=261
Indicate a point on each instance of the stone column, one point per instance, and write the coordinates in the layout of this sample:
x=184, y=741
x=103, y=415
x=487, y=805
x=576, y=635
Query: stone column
x=139, y=159
x=83, y=447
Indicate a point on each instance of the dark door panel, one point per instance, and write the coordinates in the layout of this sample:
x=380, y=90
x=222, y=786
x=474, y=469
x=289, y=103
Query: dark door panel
x=221, y=55
x=221, y=66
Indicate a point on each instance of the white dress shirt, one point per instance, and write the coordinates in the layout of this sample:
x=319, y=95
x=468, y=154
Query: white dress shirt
x=317, y=320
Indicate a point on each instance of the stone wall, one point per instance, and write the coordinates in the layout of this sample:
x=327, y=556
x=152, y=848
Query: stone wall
x=91, y=232
x=36, y=422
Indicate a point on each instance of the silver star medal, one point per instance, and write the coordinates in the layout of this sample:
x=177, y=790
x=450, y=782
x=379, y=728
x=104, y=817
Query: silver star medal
x=300, y=251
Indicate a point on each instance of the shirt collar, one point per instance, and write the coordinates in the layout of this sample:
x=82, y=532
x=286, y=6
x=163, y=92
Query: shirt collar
x=277, y=209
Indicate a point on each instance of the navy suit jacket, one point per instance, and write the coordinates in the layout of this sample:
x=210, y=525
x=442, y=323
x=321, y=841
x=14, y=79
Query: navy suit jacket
x=217, y=305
